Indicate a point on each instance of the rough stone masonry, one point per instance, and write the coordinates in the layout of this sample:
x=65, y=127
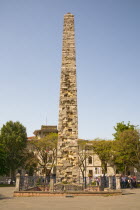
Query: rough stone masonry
x=67, y=150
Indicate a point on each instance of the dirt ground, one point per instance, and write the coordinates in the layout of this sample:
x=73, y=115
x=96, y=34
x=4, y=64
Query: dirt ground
x=129, y=201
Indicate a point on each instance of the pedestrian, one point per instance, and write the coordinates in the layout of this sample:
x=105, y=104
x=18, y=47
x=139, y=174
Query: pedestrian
x=130, y=181
x=134, y=181
x=123, y=182
x=97, y=181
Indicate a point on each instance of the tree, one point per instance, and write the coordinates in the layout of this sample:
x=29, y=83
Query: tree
x=127, y=150
x=31, y=162
x=120, y=127
x=3, y=165
x=13, y=137
x=83, y=154
x=46, y=149
x=103, y=148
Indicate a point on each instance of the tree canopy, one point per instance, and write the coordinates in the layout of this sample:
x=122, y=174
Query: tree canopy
x=30, y=162
x=3, y=161
x=127, y=150
x=120, y=127
x=46, y=149
x=103, y=148
x=13, y=139
x=123, y=153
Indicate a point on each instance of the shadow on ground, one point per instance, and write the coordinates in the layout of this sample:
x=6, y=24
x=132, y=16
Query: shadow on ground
x=128, y=193
x=3, y=197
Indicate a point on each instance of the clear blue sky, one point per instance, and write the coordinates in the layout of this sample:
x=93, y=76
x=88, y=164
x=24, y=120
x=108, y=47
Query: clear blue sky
x=108, y=62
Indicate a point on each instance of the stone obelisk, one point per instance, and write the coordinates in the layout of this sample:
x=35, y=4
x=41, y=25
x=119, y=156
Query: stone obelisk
x=67, y=150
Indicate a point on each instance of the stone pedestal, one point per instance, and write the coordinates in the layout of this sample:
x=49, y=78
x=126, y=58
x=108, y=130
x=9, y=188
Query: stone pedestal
x=118, y=184
x=26, y=181
x=110, y=178
x=51, y=189
x=17, y=188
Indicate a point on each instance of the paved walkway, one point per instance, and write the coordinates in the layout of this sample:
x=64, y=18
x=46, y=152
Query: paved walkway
x=129, y=201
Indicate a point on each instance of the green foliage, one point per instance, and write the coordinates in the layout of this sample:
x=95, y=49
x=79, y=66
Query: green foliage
x=93, y=183
x=13, y=138
x=82, y=144
x=103, y=149
x=120, y=127
x=123, y=152
x=7, y=185
x=3, y=161
x=127, y=150
x=31, y=162
x=46, y=149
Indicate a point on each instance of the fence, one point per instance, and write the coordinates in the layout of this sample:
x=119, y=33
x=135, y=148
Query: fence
x=108, y=182
x=42, y=183
x=35, y=183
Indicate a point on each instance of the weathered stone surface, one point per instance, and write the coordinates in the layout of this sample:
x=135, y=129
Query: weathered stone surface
x=67, y=157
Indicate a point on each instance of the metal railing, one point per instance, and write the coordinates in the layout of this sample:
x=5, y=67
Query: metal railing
x=42, y=183
x=35, y=183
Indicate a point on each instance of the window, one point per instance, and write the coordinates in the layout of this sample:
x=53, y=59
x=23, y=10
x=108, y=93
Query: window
x=89, y=160
x=96, y=170
x=90, y=174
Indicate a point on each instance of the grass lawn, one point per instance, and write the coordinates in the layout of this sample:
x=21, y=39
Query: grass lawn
x=7, y=185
